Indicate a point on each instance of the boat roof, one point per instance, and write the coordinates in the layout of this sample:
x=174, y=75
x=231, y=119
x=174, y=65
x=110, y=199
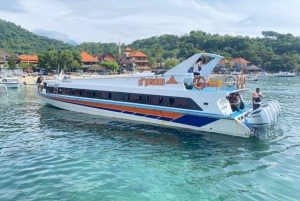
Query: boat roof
x=184, y=66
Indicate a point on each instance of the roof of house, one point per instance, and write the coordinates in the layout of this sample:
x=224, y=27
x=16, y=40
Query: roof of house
x=87, y=57
x=108, y=57
x=223, y=61
x=240, y=60
x=127, y=49
x=3, y=53
x=136, y=53
x=25, y=57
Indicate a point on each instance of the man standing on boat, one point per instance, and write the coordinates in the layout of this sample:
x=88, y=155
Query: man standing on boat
x=39, y=82
x=256, y=98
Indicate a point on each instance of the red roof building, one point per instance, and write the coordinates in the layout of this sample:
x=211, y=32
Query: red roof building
x=88, y=60
x=134, y=60
x=240, y=60
x=240, y=63
x=105, y=57
x=31, y=59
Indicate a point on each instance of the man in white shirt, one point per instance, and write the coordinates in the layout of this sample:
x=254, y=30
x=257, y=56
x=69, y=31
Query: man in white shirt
x=256, y=98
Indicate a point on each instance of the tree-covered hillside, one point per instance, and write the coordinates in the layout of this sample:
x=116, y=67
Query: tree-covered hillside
x=273, y=51
x=15, y=39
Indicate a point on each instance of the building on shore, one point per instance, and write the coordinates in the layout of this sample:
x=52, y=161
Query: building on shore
x=134, y=60
x=88, y=61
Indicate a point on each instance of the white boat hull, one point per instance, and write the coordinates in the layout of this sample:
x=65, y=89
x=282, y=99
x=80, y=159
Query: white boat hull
x=231, y=127
x=11, y=85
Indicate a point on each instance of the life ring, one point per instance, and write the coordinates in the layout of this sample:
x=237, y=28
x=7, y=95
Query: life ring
x=197, y=84
x=240, y=81
x=229, y=81
x=244, y=81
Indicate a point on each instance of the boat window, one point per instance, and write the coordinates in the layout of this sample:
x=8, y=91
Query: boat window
x=118, y=96
x=72, y=92
x=171, y=101
x=134, y=98
x=105, y=95
x=65, y=91
x=153, y=100
x=160, y=100
x=179, y=102
x=49, y=90
x=90, y=94
x=77, y=92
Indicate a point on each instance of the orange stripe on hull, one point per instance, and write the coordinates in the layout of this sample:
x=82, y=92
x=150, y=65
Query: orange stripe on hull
x=129, y=109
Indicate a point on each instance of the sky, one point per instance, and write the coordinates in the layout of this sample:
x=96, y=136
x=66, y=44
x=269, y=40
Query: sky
x=126, y=21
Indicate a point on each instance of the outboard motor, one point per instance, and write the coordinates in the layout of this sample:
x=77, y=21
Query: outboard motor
x=277, y=106
x=273, y=110
x=260, y=119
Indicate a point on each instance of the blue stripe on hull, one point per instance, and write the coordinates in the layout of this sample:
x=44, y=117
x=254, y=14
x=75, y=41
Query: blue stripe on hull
x=193, y=120
x=186, y=119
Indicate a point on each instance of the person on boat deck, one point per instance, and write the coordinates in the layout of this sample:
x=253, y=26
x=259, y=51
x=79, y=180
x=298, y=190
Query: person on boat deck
x=39, y=82
x=198, y=66
x=256, y=98
x=235, y=102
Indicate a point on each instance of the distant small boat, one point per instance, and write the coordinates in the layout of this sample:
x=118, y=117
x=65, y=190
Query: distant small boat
x=11, y=82
x=286, y=74
x=252, y=79
x=144, y=73
x=235, y=73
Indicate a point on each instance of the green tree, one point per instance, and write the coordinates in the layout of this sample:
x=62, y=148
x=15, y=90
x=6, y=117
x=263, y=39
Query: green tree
x=152, y=63
x=24, y=65
x=11, y=63
x=170, y=63
x=110, y=65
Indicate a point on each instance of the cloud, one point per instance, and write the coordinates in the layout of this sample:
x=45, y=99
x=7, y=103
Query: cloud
x=54, y=34
x=116, y=20
x=11, y=6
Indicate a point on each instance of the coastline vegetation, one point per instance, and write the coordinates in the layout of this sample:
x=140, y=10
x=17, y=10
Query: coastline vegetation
x=273, y=52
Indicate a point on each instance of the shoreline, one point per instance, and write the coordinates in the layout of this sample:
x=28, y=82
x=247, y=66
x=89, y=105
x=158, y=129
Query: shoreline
x=31, y=80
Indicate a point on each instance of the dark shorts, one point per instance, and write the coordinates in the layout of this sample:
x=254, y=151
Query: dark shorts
x=255, y=106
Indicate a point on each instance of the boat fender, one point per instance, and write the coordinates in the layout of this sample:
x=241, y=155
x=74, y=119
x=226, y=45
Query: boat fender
x=197, y=84
x=229, y=81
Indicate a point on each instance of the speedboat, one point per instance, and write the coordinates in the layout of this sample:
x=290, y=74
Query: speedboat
x=10, y=82
x=167, y=100
x=285, y=74
x=144, y=73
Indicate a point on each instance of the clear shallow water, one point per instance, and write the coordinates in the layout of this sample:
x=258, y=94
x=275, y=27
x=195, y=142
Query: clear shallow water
x=52, y=154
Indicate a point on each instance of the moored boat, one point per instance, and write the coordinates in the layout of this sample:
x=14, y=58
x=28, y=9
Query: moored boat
x=285, y=74
x=11, y=82
x=167, y=99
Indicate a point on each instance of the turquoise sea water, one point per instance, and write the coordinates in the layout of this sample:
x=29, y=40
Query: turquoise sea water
x=52, y=154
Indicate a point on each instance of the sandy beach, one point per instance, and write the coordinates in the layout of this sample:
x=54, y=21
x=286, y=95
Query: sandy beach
x=31, y=80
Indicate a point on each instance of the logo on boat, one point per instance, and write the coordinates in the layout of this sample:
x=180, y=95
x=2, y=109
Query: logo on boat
x=156, y=81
